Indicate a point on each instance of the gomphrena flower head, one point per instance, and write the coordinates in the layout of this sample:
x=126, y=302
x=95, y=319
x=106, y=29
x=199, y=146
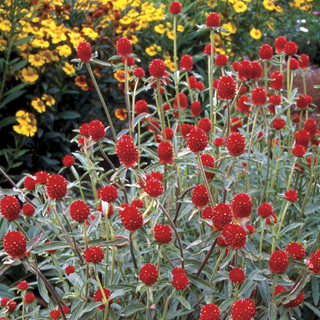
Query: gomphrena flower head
x=304, y=62
x=210, y=311
x=311, y=126
x=213, y=20
x=98, y=297
x=265, y=52
x=29, y=298
x=29, y=183
x=126, y=151
x=236, y=144
x=153, y=188
x=296, y=250
x=295, y=302
x=175, y=7
x=79, y=211
x=277, y=79
x=205, y=124
x=259, y=96
x=278, y=123
x=149, y=274
x=55, y=314
x=243, y=309
x=183, y=101
x=96, y=130
x=84, y=130
x=291, y=48
x=168, y=134
x=265, y=210
x=93, y=254
x=157, y=68
x=9, y=304
x=241, y=205
x=207, y=160
x=242, y=106
x=185, y=129
x=256, y=70
x=298, y=150
x=304, y=101
x=226, y=88
x=186, y=62
x=162, y=233
x=221, y=216
x=235, y=124
x=280, y=43
x=123, y=47
x=141, y=106
x=15, y=244
x=137, y=203
x=131, y=218
x=245, y=70
x=200, y=197
x=84, y=51
x=207, y=49
x=221, y=60
x=235, y=236
x=68, y=161
x=69, y=269
x=130, y=61
x=139, y=73
x=195, y=108
x=10, y=208
x=180, y=281
x=108, y=193
x=165, y=152
x=197, y=140
x=56, y=186
x=313, y=263
x=293, y=64
x=42, y=177
x=207, y=213
x=236, y=275
x=251, y=228
x=23, y=285
x=279, y=261
x=302, y=137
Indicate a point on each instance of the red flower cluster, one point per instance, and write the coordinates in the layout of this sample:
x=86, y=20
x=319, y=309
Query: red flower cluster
x=241, y=205
x=168, y=134
x=96, y=130
x=55, y=314
x=236, y=144
x=183, y=101
x=141, y=106
x=226, y=88
x=123, y=47
x=162, y=233
x=278, y=123
x=149, y=274
x=10, y=208
x=311, y=126
x=108, y=193
x=236, y=123
x=23, y=285
x=243, y=309
x=69, y=269
x=195, y=108
x=68, y=161
x=280, y=43
x=126, y=151
x=207, y=213
x=175, y=7
x=265, y=209
x=304, y=101
x=293, y=64
x=56, y=186
x=266, y=52
x=15, y=244
x=210, y=311
x=277, y=79
x=93, y=254
x=213, y=20
x=219, y=142
x=296, y=250
x=197, y=140
x=98, y=297
x=221, y=60
x=242, y=106
x=29, y=183
x=304, y=62
x=207, y=160
x=186, y=62
x=302, y=137
x=279, y=261
x=131, y=218
x=42, y=177
x=153, y=188
x=157, y=68
x=200, y=197
x=221, y=216
x=236, y=275
x=298, y=150
x=235, y=236
x=313, y=263
x=139, y=73
x=79, y=211
x=259, y=96
x=180, y=280
x=207, y=50
x=84, y=51
x=205, y=124
x=291, y=48
x=29, y=298
x=9, y=304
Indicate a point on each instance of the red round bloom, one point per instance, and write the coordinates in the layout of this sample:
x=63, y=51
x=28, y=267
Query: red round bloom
x=200, y=197
x=243, y=309
x=100, y=209
x=15, y=244
x=302, y=137
x=280, y=43
x=131, y=218
x=236, y=144
x=165, y=152
x=29, y=183
x=210, y=311
x=10, y=208
x=235, y=66
x=108, y=193
x=139, y=72
x=157, y=68
x=311, y=126
x=183, y=101
x=149, y=274
x=192, y=82
x=66, y=309
x=69, y=269
x=313, y=263
x=98, y=297
x=207, y=160
x=256, y=70
x=123, y=47
x=207, y=49
x=56, y=186
x=291, y=48
x=207, y=213
x=137, y=203
x=221, y=242
x=298, y=150
x=241, y=205
x=296, y=302
x=293, y=64
x=84, y=130
x=84, y=51
x=154, y=188
x=200, y=86
x=195, y=108
x=243, y=90
x=304, y=62
x=126, y=151
x=279, y=289
x=226, y=88
x=296, y=118
x=177, y=270
x=266, y=52
x=242, y=106
x=265, y=210
x=79, y=211
x=260, y=135
x=55, y=314
x=96, y=130
x=205, y=124
x=275, y=99
x=222, y=215
x=162, y=233
x=130, y=61
x=235, y=124
x=215, y=83
x=259, y=96
x=278, y=123
x=185, y=129
x=42, y=177
x=303, y=101
x=141, y=106
x=296, y=250
x=186, y=62
x=235, y=236
x=180, y=281
x=291, y=195
x=213, y=20
x=175, y=7
x=221, y=60
x=68, y=161
x=168, y=134
x=9, y=304
x=279, y=261
x=166, y=107
x=236, y=275
x=245, y=70
x=277, y=80
x=29, y=298
x=93, y=254
x=250, y=228
x=23, y=285
x=197, y=140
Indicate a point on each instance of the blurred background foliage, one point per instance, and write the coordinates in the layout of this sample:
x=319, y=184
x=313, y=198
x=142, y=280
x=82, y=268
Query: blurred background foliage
x=43, y=98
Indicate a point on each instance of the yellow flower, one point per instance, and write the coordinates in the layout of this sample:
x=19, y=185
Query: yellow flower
x=69, y=69
x=90, y=33
x=278, y=9
x=151, y=51
x=121, y=114
x=119, y=75
x=268, y=4
x=27, y=124
x=58, y=37
x=3, y=44
x=160, y=28
x=40, y=43
x=5, y=25
x=64, y=51
x=23, y=117
x=270, y=25
x=169, y=25
x=180, y=28
x=255, y=33
x=170, y=34
x=133, y=39
x=29, y=74
x=240, y=7
x=133, y=13
x=230, y=27
x=49, y=99
x=36, y=60
x=38, y=105
x=125, y=20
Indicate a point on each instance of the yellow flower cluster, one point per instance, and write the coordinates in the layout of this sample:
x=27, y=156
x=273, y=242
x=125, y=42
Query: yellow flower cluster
x=153, y=50
x=27, y=123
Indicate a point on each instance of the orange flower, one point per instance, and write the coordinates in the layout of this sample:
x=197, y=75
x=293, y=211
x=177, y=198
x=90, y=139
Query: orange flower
x=121, y=114
x=81, y=81
x=119, y=75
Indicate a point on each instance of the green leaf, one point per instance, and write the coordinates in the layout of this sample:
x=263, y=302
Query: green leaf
x=200, y=283
x=289, y=227
x=139, y=117
x=130, y=309
x=313, y=308
x=312, y=208
x=43, y=290
x=18, y=66
x=23, y=40
x=272, y=311
x=69, y=115
x=298, y=287
x=16, y=88
x=90, y=307
x=7, y=121
x=315, y=289
x=183, y=301
x=55, y=245
x=226, y=304
x=12, y=97
x=76, y=309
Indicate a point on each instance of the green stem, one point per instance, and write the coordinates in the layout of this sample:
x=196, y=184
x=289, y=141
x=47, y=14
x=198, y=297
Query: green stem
x=274, y=286
x=105, y=300
x=268, y=165
x=107, y=247
x=90, y=175
x=131, y=250
x=261, y=243
x=133, y=104
x=73, y=170
x=288, y=91
x=127, y=98
x=167, y=304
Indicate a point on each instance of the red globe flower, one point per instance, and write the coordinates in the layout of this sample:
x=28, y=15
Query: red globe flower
x=98, y=297
x=293, y=64
x=207, y=160
x=245, y=70
x=141, y=106
x=10, y=208
x=278, y=123
x=296, y=118
x=259, y=96
x=180, y=281
x=93, y=254
x=207, y=213
x=235, y=236
x=168, y=134
x=221, y=242
x=291, y=195
x=251, y=228
x=235, y=66
x=175, y=7
x=265, y=210
x=123, y=47
x=9, y=304
x=192, y=82
x=69, y=269
x=139, y=72
x=302, y=137
x=296, y=302
x=298, y=150
x=256, y=70
x=157, y=68
x=130, y=61
x=186, y=62
x=79, y=211
x=149, y=274
x=55, y=314
x=280, y=43
x=260, y=135
x=277, y=80
x=279, y=261
x=23, y=285
x=213, y=20
x=210, y=311
x=243, y=309
x=84, y=130
x=177, y=270
x=29, y=183
x=56, y=186
x=296, y=250
x=236, y=144
x=195, y=108
x=222, y=215
x=66, y=309
x=236, y=275
x=68, y=161
x=108, y=193
x=242, y=106
x=154, y=188
x=226, y=88
x=200, y=197
x=205, y=124
x=311, y=126
x=221, y=60
x=241, y=205
x=279, y=289
x=15, y=244
x=304, y=101
x=84, y=51
x=96, y=130
x=165, y=152
x=197, y=140
x=313, y=263
x=275, y=99
x=183, y=101
x=29, y=298
x=42, y=177
x=291, y=48
x=126, y=151
x=266, y=52
x=162, y=233
x=235, y=124
x=185, y=129
x=131, y=218
x=207, y=49
x=304, y=62
x=137, y=203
